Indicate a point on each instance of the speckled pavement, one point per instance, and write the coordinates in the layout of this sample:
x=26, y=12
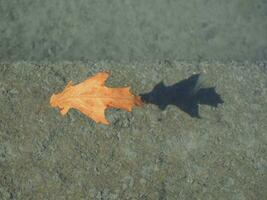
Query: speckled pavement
x=145, y=154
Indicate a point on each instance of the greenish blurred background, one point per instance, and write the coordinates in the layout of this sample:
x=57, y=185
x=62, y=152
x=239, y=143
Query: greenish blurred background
x=124, y=30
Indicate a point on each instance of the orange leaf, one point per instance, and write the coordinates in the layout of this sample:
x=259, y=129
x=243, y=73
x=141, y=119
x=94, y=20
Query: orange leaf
x=92, y=97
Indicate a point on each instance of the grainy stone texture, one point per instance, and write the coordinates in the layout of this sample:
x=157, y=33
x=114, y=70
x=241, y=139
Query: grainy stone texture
x=145, y=154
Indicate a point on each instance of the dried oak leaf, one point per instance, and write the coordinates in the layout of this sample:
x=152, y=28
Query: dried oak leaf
x=92, y=97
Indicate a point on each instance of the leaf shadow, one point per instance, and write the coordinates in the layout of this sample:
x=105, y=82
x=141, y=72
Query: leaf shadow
x=186, y=95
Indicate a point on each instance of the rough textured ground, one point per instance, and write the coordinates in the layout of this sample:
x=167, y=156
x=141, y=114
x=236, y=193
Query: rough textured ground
x=146, y=154
x=133, y=30
x=149, y=153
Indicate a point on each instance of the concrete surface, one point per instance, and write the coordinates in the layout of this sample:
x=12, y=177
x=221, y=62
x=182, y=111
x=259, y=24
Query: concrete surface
x=149, y=153
x=145, y=154
x=124, y=30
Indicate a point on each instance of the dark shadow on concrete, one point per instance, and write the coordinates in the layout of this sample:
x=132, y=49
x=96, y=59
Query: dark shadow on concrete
x=186, y=94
